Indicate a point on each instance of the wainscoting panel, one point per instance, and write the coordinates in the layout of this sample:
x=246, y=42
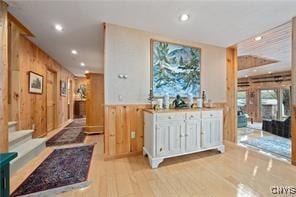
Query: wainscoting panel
x=120, y=122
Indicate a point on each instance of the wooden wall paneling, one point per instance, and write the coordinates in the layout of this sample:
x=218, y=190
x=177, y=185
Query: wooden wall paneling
x=120, y=121
x=14, y=79
x=231, y=115
x=110, y=131
x=122, y=130
x=32, y=108
x=293, y=117
x=95, y=103
x=3, y=77
x=21, y=27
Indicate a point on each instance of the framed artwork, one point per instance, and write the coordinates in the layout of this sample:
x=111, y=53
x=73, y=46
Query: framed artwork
x=63, y=88
x=175, y=69
x=35, y=83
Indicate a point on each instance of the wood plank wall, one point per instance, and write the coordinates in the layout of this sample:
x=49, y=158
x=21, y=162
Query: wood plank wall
x=293, y=73
x=120, y=120
x=95, y=103
x=27, y=57
x=231, y=109
x=3, y=77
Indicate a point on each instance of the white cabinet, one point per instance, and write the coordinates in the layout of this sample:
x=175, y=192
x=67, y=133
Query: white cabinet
x=172, y=134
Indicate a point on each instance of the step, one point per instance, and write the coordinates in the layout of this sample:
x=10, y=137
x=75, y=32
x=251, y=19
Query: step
x=12, y=126
x=16, y=138
x=26, y=152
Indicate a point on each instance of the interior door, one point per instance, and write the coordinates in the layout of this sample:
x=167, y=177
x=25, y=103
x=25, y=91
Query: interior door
x=51, y=101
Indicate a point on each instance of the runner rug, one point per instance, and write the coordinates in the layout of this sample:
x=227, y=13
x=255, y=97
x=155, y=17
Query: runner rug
x=63, y=170
x=67, y=136
x=81, y=122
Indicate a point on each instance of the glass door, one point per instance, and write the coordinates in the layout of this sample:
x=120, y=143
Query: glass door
x=269, y=104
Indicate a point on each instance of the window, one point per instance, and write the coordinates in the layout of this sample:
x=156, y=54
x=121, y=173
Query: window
x=242, y=101
x=275, y=103
x=269, y=104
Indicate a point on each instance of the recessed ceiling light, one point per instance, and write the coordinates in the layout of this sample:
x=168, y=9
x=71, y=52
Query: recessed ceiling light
x=82, y=64
x=246, y=75
x=258, y=38
x=74, y=52
x=269, y=72
x=58, y=27
x=86, y=71
x=184, y=17
x=255, y=70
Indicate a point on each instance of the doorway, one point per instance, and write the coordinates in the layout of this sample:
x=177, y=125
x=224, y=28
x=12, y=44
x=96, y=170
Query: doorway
x=69, y=86
x=51, y=95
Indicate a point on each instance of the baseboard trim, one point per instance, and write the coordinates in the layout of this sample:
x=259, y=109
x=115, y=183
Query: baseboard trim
x=108, y=157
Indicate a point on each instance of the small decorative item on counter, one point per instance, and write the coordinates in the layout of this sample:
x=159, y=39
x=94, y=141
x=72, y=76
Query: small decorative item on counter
x=160, y=103
x=210, y=103
x=190, y=100
x=179, y=103
x=156, y=107
x=204, y=98
x=166, y=101
x=194, y=106
x=199, y=102
x=150, y=97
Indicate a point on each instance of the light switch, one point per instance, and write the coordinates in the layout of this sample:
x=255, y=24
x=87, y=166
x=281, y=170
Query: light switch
x=133, y=134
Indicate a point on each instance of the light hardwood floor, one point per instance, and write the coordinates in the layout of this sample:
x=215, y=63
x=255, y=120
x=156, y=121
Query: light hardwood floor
x=237, y=172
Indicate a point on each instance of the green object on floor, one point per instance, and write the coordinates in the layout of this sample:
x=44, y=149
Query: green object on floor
x=5, y=159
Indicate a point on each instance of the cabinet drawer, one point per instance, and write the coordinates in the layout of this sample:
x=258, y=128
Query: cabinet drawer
x=193, y=115
x=211, y=114
x=170, y=116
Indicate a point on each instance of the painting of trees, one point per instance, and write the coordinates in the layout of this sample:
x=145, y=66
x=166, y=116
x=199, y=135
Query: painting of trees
x=176, y=69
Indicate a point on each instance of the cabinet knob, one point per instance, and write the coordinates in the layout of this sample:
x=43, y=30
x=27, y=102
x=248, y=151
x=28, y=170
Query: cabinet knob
x=186, y=135
x=160, y=149
x=191, y=116
x=170, y=117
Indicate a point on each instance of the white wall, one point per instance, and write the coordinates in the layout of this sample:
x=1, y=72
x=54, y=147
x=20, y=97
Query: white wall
x=127, y=51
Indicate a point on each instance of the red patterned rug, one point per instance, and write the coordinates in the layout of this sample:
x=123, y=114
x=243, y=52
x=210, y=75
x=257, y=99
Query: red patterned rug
x=63, y=170
x=67, y=136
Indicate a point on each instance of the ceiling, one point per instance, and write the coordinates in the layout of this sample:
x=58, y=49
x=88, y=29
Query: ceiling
x=221, y=23
x=275, y=45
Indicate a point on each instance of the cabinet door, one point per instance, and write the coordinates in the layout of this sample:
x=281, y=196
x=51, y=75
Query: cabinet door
x=170, y=137
x=162, y=138
x=192, y=136
x=206, y=133
x=216, y=128
x=211, y=132
x=177, y=137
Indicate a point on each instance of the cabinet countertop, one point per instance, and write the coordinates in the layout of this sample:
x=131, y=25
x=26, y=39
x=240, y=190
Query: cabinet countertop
x=152, y=111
